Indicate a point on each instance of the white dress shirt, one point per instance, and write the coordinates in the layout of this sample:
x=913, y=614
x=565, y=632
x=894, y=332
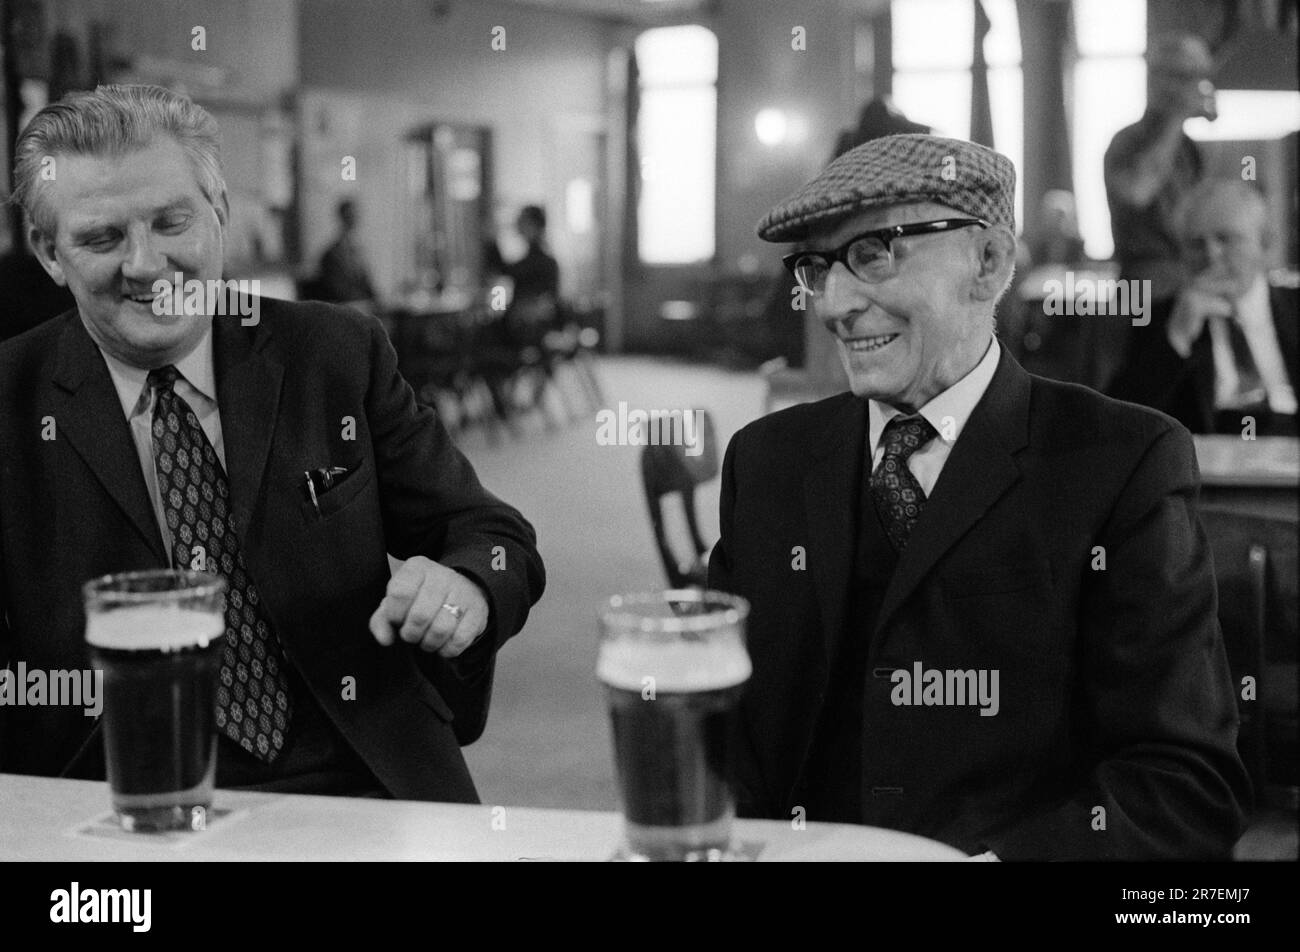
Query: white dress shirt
x=197, y=385
x=947, y=413
x=1255, y=316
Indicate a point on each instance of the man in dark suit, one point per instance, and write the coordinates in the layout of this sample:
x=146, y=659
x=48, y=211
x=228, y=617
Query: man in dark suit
x=983, y=609
x=1221, y=356
x=282, y=437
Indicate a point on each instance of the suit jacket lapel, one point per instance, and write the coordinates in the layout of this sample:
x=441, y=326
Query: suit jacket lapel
x=980, y=468
x=830, y=491
x=88, y=414
x=248, y=399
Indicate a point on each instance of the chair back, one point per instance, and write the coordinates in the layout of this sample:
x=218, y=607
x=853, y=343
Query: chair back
x=667, y=467
x=1255, y=567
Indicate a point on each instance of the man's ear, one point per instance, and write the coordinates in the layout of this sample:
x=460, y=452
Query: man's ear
x=43, y=247
x=996, y=261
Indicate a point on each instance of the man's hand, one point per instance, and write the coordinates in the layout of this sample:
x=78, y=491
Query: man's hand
x=1201, y=300
x=416, y=607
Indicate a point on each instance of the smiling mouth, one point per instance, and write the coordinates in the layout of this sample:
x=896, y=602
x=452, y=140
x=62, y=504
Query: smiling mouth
x=863, y=345
x=145, y=300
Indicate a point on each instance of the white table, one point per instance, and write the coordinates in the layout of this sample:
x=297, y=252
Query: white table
x=45, y=819
x=1264, y=462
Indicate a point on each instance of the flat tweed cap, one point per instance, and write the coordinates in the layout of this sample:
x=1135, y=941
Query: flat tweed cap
x=897, y=169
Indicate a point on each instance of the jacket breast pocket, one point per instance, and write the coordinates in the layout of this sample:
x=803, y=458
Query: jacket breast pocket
x=337, y=498
x=1005, y=579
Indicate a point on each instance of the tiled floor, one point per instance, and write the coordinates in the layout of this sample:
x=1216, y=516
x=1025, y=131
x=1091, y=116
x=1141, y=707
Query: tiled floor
x=547, y=741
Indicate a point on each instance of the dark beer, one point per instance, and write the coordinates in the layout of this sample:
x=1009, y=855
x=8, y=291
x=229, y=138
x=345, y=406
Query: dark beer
x=673, y=682
x=674, y=769
x=161, y=668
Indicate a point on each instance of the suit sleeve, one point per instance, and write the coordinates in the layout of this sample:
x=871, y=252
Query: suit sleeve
x=720, y=572
x=1158, y=715
x=434, y=505
x=1154, y=373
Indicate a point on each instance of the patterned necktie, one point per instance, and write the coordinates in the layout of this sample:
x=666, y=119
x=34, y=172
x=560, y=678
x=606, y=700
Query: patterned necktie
x=253, y=704
x=899, y=498
x=1249, y=386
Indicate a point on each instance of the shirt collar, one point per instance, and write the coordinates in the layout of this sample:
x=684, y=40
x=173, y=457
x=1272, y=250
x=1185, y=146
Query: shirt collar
x=947, y=412
x=131, y=383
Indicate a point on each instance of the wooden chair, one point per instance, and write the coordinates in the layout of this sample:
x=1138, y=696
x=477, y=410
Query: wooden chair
x=1255, y=567
x=668, y=469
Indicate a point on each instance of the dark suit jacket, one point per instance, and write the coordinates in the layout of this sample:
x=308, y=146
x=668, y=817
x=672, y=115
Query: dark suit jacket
x=76, y=506
x=1114, y=689
x=1156, y=376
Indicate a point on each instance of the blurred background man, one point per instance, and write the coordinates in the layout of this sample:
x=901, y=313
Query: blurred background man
x=1149, y=167
x=536, y=275
x=344, y=276
x=1152, y=164
x=1223, y=348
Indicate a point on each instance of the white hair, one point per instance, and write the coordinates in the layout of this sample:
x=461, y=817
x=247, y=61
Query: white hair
x=112, y=121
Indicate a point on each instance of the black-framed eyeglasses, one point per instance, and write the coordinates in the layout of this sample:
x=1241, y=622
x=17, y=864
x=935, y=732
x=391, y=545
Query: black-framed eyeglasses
x=868, y=256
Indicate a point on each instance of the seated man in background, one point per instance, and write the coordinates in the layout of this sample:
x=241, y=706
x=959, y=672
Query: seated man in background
x=983, y=608
x=536, y=274
x=289, y=444
x=344, y=276
x=1222, y=351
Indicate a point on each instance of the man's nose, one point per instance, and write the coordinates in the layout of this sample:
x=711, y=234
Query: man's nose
x=1215, y=250
x=144, y=259
x=841, y=299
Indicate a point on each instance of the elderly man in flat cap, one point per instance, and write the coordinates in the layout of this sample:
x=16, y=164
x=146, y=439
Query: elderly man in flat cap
x=983, y=608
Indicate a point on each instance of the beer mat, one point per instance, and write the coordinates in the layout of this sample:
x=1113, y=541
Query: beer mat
x=106, y=827
x=743, y=851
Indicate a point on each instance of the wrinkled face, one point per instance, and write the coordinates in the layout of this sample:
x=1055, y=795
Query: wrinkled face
x=1223, y=242
x=913, y=335
x=123, y=222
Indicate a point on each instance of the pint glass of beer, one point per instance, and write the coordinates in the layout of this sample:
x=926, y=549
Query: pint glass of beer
x=673, y=665
x=158, y=637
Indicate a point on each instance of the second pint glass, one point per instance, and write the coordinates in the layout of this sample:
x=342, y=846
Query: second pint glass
x=673, y=665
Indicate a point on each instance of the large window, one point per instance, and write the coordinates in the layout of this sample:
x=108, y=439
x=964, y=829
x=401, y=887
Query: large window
x=677, y=138
x=933, y=51
x=1109, y=92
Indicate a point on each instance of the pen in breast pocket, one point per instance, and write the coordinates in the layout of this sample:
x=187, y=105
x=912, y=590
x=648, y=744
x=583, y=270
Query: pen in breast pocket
x=326, y=477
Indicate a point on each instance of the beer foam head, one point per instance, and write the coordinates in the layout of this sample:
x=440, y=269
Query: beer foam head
x=676, y=665
x=153, y=628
